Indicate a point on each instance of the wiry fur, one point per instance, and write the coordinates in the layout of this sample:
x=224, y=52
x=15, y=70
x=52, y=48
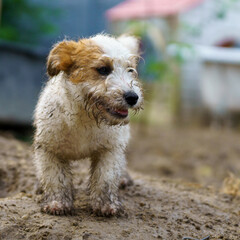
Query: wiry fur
x=72, y=120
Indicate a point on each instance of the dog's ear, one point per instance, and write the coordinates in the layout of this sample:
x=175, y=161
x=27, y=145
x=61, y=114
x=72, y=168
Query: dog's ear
x=60, y=57
x=131, y=42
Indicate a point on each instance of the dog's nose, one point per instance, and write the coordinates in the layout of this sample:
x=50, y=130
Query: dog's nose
x=131, y=97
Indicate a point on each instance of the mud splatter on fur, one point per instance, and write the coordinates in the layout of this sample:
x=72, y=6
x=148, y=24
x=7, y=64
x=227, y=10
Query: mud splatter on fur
x=83, y=113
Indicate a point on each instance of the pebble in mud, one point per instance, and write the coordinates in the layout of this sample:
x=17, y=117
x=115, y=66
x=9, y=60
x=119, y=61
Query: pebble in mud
x=125, y=233
x=25, y=217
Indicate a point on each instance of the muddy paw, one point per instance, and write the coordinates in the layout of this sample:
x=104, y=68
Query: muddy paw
x=125, y=181
x=38, y=189
x=108, y=209
x=57, y=208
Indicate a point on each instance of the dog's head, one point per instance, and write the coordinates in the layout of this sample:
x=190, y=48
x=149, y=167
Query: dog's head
x=102, y=70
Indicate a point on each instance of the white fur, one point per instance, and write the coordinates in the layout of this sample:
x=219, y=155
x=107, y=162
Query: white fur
x=121, y=50
x=65, y=132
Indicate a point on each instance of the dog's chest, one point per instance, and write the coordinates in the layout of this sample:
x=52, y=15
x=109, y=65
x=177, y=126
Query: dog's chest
x=82, y=141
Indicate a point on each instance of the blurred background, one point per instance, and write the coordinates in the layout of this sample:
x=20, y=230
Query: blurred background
x=189, y=128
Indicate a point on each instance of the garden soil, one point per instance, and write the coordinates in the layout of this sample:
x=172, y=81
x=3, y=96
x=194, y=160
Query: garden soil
x=179, y=191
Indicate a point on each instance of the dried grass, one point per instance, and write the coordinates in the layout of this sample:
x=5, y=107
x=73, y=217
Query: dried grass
x=231, y=185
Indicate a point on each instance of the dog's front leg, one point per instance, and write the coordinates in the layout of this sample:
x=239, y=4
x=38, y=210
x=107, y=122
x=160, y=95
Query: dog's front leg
x=56, y=182
x=106, y=170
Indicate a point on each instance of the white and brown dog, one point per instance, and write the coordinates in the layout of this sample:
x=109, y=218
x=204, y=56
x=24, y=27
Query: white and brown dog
x=83, y=113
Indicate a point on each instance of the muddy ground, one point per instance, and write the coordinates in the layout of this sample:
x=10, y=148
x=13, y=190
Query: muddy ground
x=204, y=156
x=178, y=191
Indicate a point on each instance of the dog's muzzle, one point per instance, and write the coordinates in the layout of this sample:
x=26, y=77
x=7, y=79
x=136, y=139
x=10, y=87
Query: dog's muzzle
x=131, y=98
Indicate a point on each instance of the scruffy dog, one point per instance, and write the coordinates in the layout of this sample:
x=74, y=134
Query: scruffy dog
x=83, y=113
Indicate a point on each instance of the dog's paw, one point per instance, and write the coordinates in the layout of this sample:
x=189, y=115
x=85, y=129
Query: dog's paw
x=57, y=208
x=38, y=189
x=108, y=209
x=125, y=181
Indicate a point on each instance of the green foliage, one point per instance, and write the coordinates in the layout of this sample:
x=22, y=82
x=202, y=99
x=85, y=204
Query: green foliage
x=193, y=30
x=26, y=21
x=223, y=6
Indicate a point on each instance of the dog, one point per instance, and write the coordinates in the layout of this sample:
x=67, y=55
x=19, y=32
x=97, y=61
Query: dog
x=83, y=112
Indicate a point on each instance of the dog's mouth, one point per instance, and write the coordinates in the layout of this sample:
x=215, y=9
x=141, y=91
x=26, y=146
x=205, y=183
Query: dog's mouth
x=117, y=112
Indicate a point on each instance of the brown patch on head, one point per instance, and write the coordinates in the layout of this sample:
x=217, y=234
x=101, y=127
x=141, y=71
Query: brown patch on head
x=79, y=60
x=87, y=64
x=59, y=58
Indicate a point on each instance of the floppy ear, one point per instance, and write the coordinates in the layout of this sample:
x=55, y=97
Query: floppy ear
x=60, y=57
x=131, y=42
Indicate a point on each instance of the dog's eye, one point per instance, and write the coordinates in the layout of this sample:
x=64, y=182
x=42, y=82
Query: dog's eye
x=130, y=70
x=104, y=71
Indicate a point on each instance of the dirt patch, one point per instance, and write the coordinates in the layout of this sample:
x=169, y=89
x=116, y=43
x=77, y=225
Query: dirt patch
x=204, y=156
x=156, y=208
